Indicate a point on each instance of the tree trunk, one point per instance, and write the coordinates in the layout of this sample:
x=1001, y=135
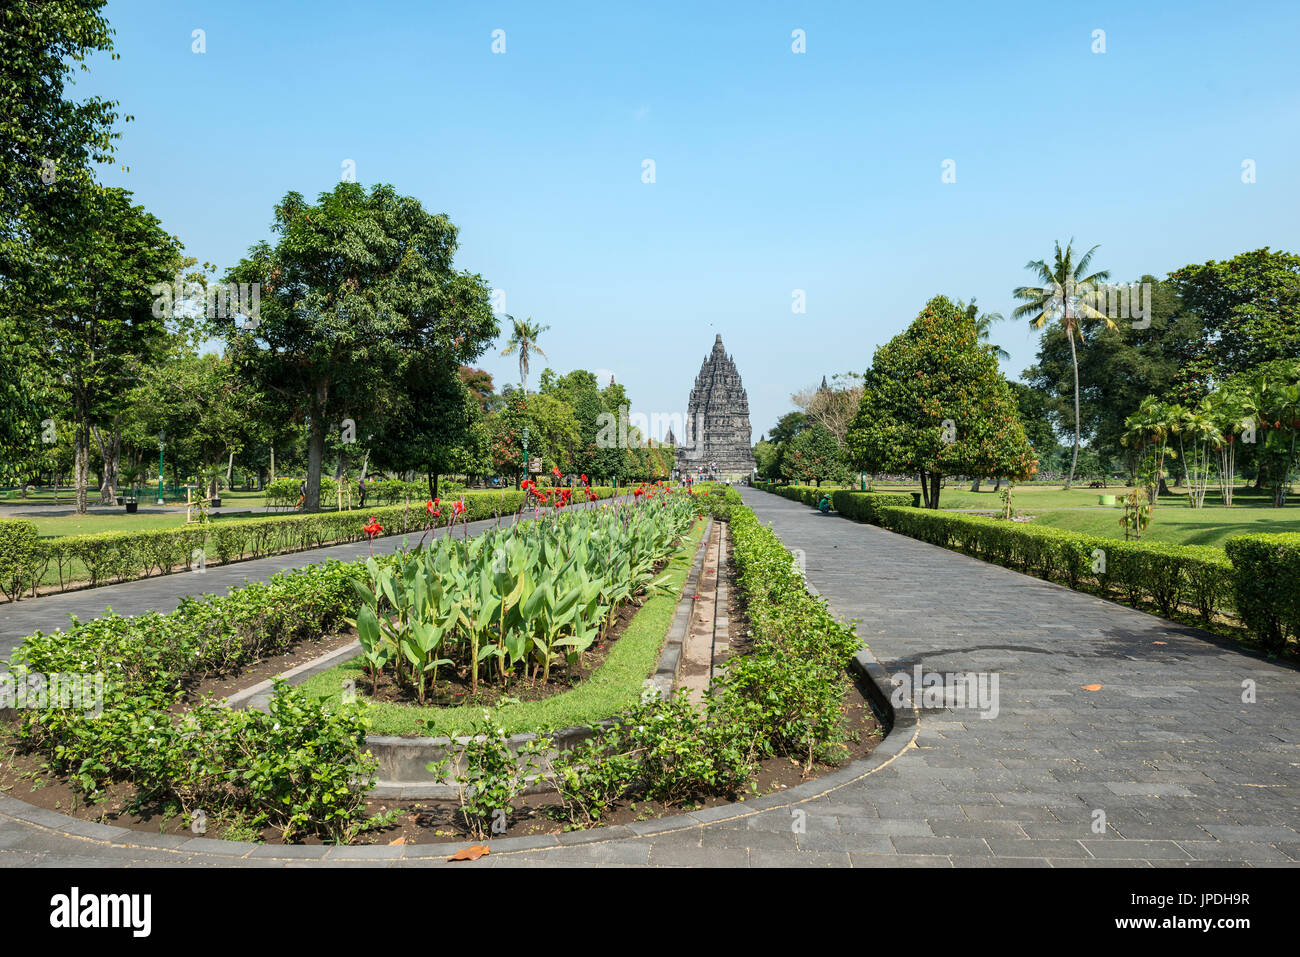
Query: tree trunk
x=272, y=461
x=925, y=489
x=230, y=465
x=1074, y=360
x=934, y=489
x=315, y=456
x=81, y=462
x=111, y=455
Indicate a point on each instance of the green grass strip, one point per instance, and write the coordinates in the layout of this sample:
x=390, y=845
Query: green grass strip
x=615, y=685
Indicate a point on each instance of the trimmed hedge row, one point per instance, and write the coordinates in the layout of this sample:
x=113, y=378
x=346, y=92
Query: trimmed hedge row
x=1266, y=579
x=1192, y=578
x=866, y=506
x=284, y=493
x=124, y=556
x=807, y=494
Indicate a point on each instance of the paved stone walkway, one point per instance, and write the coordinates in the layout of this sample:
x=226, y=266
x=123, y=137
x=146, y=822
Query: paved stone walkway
x=1184, y=771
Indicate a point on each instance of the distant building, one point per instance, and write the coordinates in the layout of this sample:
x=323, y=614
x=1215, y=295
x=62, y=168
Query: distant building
x=717, y=421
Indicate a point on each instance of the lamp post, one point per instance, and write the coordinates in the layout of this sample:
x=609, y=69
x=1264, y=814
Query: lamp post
x=162, y=436
x=525, y=451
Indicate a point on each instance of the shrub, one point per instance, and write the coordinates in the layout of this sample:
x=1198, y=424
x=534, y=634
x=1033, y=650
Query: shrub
x=19, y=547
x=1266, y=585
x=299, y=768
x=865, y=506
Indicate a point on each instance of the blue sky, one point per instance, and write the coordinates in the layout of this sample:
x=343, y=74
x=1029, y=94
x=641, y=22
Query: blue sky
x=774, y=171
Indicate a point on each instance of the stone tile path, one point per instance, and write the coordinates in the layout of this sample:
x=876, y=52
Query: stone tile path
x=1184, y=771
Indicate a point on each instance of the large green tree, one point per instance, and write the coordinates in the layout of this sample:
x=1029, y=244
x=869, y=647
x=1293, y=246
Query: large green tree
x=1249, y=313
x=92, y=311
x=352, y=285
x=934, y=403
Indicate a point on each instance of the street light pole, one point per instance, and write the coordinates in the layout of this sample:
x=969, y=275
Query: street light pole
x=525, y=451
x=162, y=435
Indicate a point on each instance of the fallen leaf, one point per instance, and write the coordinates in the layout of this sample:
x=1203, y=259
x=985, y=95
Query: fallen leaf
x=397, y=840
x=1159, y=642
x=472, y=853
x=1091, y=687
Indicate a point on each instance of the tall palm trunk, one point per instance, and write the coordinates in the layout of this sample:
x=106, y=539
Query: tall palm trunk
x=1074, y=360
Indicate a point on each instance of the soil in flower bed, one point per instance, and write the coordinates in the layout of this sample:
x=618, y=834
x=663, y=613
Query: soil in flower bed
x=23, y=776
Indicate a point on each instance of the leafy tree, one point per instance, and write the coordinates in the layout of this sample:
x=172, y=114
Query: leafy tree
x=479, y=383
x=1065, y=297
x=354, y=286
x=47, y=141
x=934, y=403
x=91, y=310
x=814, y=455
x=1249, y=311
x=1036, y=420
x=208, y=412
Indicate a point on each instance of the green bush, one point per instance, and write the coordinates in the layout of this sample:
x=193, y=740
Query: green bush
x=300, y=768
x=865, y=506
x=807, y=494
x=19, y=548
x=1266, y=583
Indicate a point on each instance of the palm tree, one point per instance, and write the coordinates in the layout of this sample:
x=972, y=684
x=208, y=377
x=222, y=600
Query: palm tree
x=523, y=337
x=983, y=322
x=1067, y=295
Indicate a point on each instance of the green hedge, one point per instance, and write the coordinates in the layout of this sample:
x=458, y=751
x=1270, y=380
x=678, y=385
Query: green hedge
x=1266, y=578
x=1191, y=578
x=19, y=550
x=807, y=494
x=865, y=506
x=124, y=556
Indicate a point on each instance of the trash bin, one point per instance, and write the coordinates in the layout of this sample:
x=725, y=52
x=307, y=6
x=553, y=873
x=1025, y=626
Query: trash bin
x=916, y=500
x=1106, y=499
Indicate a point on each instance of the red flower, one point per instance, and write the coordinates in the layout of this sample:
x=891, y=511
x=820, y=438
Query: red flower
x=460, y=507
x=555, y=470
x=584, y=478
x=374, y=528
x=428, y=507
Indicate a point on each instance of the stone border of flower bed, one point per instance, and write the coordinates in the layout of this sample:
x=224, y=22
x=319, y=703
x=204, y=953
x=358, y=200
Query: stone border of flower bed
x=403, y=761
x=901, y=727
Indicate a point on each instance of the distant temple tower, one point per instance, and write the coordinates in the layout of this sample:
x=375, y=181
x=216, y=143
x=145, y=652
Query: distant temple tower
x=717, y=421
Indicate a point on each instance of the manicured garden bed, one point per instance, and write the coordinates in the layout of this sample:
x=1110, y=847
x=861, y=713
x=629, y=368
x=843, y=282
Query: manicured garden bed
x=784, y=710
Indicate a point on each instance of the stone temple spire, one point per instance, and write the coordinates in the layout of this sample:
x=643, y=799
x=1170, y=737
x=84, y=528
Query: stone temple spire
x=717, y=420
